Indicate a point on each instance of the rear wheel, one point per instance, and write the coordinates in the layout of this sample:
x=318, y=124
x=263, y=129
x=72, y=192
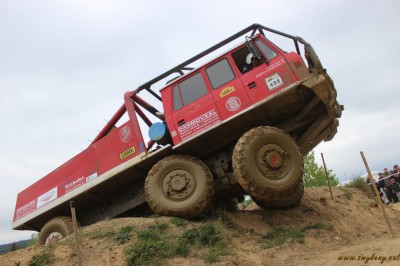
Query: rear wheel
x=180, y=186
x=284, y=203
x=267, y=163
x=55, y=230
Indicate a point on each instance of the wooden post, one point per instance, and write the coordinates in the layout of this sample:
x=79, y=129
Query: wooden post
x=76, y=234
x=327, y=176
x=371, y=179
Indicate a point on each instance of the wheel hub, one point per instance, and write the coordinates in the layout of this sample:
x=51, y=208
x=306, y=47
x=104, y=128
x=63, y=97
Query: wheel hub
x=53, y=237
x=273, y=161
x=179, y=185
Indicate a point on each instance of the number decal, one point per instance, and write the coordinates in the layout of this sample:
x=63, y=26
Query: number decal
x=273, y=81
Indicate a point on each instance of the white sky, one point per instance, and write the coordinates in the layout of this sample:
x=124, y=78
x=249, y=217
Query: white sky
x=65, y=65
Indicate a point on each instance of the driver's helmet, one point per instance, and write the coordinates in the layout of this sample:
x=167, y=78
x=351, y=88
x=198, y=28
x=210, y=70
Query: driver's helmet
x=249, y=58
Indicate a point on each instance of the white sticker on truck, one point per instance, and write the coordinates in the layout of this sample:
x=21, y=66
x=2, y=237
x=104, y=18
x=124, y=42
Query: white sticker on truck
x=273, y=81
x=46, y=197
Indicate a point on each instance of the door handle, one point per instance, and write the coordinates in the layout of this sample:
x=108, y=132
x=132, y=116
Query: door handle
x=181, y=122
x=252, y=85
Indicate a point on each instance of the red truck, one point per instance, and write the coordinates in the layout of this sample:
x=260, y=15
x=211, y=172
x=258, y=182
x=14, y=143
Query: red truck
x=238, y=124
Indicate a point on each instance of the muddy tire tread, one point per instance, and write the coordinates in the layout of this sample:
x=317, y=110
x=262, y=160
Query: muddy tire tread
x=283, y=203
x=253, y=185
x=62, y=224
x=197, y=207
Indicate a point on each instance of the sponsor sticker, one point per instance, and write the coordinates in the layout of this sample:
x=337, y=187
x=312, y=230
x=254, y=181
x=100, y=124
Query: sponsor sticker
x=273, y=81
x=125, y=134
x=127, y=153
x=200, y=123
x=91, y=177
x=226, y=91
x=46, y=198
x=25, y=210
x=71, y=185
x=233, y=103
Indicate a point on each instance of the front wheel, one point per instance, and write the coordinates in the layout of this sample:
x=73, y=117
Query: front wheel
x=180, y=186
x=267, y=163
x=55, y=230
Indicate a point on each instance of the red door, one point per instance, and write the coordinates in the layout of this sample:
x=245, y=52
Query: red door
x=268, y=77
x=227, y=88
x=193, y=107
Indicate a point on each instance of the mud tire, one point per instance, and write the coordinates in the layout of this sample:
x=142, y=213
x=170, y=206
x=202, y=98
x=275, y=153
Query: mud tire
x=283, y=203
x=262, y=176
x=167, y=193
x=55, y=230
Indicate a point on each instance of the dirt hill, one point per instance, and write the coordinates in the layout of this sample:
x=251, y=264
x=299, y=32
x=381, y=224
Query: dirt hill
x=320, y=231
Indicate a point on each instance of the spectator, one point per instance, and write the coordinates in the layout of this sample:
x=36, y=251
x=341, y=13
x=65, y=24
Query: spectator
x=386, y=172
x=382, y=189
x=387, y=183
x=396, y=172
x=394, y=190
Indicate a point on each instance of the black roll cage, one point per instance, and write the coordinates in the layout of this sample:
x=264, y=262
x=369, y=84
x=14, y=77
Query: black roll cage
x=184, y=66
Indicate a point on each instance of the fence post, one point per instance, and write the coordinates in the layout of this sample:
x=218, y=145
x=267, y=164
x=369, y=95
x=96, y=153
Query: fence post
x=371, y=179
x=327, y=176
x=76, y=234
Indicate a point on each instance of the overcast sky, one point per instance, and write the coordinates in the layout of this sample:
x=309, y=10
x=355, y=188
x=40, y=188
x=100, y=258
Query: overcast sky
x=65, y=65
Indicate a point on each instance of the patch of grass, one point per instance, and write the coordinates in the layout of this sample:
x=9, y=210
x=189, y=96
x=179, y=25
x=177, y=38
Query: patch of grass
x=179, y=221
x=247, y=202
x=362, y=185
x=151, y=247
x=123, y=235
x=279, y=236
x=33, y=240
x=45, y=257
x=204, y=236
x=108, y=233
x=318, y=226
x=215, y=252
x=154, y=245
x=347, y=194
x=219, y=213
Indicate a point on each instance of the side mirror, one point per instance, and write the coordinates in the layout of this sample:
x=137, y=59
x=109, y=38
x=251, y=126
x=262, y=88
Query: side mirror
x=253, y=49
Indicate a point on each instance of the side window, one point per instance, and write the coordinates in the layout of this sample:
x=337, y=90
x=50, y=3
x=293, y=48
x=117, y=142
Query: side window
x=177, y=98
x=189, y=90
x=268, y=52
x=220, y=73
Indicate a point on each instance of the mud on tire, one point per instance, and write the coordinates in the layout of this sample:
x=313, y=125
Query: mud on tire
x=284, y=203
x=181, y=186
x=55, y=230
x=267, y=163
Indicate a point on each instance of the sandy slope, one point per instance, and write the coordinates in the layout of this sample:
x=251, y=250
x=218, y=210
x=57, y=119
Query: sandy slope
x=352, y=227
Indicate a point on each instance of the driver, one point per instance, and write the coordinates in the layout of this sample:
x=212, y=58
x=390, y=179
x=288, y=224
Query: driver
x=252, y=61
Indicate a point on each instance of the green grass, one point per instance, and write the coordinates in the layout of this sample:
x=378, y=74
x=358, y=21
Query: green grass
x=33, y=240
x=179, y=221
x=108, y=233
x=318, y=226
x=346, y=192
x=45, y=257
x=362, y=185
x=205, y=236
x=123, y=235
x=280, y=236
x=151, y=247
x=155, y=244
x=219, y=213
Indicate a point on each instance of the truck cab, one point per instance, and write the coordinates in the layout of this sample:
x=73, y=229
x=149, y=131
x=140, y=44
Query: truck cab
x=228, y=85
